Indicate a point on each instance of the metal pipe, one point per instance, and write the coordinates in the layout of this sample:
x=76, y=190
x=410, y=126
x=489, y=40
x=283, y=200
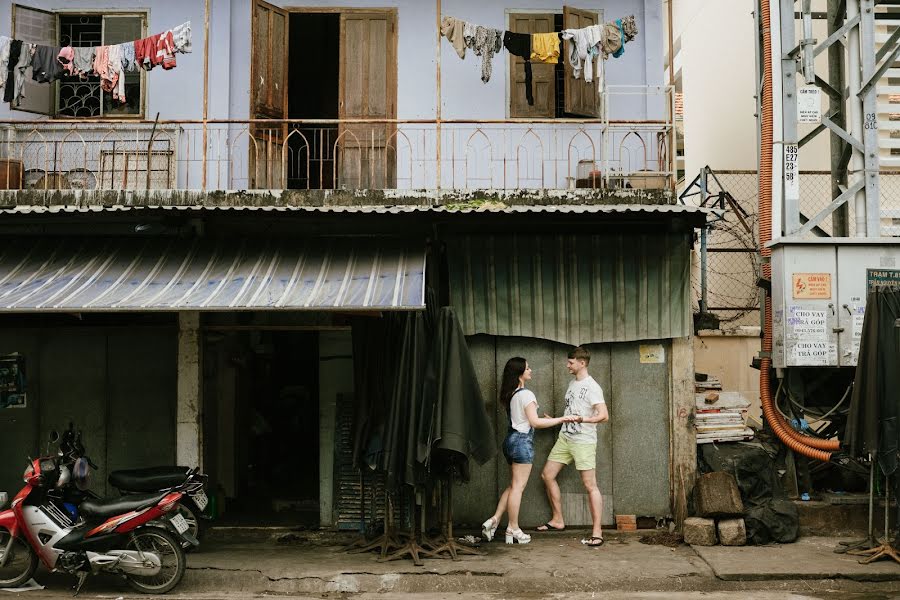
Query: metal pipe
x=840, y=217
x=661, y=124
x=857, y=161
x=205, y=89
x=704, y=288
x=438, y=109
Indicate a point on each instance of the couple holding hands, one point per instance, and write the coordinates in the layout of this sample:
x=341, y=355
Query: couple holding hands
x=577, y=443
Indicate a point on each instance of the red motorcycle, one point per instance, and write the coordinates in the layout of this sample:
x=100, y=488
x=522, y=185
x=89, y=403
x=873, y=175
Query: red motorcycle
x=112, y=535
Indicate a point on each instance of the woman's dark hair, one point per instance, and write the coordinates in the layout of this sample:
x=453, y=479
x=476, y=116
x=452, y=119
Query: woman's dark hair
x=510, y=382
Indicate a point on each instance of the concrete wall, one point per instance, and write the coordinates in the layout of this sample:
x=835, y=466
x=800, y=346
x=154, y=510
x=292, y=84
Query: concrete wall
x=635, y=441
x=728, y=357
x=117, y=385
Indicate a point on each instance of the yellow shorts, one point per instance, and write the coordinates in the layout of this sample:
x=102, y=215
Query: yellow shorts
x=584, y=455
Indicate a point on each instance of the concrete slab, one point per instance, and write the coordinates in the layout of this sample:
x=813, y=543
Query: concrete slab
x=807, y=558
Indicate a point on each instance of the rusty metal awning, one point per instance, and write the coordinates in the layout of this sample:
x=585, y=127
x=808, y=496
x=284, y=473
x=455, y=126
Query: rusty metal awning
x=77, y=274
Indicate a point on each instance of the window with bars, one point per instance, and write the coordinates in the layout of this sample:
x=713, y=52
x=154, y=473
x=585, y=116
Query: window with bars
x=79, y=96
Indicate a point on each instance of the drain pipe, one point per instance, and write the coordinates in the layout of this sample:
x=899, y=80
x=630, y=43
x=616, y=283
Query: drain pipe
x=785, y=433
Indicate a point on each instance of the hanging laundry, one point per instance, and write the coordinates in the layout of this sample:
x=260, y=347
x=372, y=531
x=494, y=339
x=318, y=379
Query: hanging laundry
x=486, y=43
x=582, y=48
x=4, y=61
x=83, y=60
x=469, y=33
x=165, y=51
x=20, y=54
x=519, y=44
x=545, y=47
x=108, y=79
x=126, y=52
x=66, y=60
x=453, y=29
x=616, y=34
x=145, y=52
x=181, y=35
x=44, y=64
x=117, y=73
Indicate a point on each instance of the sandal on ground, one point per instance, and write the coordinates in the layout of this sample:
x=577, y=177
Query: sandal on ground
x=549, y=527
x=593, y=541
x=489, y=528
x=517, y=536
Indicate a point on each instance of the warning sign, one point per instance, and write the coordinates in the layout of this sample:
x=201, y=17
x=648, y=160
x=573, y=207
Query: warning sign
x=812, y=286
x=809, y=105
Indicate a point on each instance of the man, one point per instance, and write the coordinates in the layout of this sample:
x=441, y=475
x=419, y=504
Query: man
x=577, y=443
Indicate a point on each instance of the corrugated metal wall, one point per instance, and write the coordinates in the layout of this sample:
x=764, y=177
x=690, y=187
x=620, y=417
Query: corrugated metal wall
x=632, y=448
x=574, y=289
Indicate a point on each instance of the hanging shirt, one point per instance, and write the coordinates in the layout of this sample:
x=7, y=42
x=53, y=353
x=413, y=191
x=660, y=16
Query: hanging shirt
x=145, y=52
x=486, y=43
x=19, y=60
x=4, y=60
x=181, y=35
x=108, y=79
x=519, y=44
x=44, y=64
x=545, y=48
x=582, y=48
x=117, y=74
x=454, y=30
x=127, y=56
x=83, y=60
x=165, y=51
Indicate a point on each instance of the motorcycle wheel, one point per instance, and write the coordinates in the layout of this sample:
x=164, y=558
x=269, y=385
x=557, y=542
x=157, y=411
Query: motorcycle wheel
x=21, y=565
x=161, y=543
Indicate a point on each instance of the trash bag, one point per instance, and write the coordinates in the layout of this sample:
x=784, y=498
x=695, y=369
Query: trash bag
x=775, y=521
x=752, y=467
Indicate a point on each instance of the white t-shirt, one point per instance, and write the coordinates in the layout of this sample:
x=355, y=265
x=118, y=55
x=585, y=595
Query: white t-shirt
x=581, y=396
x=517, y=405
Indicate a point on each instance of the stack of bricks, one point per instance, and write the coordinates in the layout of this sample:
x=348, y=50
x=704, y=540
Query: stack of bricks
x=626, y=522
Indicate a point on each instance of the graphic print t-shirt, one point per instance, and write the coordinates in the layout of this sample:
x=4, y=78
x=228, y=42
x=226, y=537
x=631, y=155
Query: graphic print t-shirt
x=580, y=400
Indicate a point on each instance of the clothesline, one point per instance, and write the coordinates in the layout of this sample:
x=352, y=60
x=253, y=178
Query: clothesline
x=110, y=62
x=584, y=44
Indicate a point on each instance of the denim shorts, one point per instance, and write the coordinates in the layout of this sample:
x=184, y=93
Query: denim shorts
x=518, y=447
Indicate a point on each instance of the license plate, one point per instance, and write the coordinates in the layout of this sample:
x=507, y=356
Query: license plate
x=200, y=500
x=179, y=523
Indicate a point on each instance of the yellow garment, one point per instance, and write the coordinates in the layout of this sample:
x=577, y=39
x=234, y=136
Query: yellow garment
x=545, y=48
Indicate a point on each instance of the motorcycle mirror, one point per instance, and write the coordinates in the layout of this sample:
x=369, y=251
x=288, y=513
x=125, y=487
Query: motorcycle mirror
x=54, y=436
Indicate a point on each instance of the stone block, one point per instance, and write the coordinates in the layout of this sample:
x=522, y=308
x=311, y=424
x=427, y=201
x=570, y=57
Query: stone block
x=699, y=531
x=717, y=496
x=732, y=532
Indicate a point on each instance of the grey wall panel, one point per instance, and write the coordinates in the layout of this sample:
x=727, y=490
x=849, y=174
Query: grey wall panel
x=640, y=427
x=73, y=388
x=19, y=435
x=141, y=366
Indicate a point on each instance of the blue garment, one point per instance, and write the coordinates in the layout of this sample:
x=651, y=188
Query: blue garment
x=621, y=49
x=518, y=447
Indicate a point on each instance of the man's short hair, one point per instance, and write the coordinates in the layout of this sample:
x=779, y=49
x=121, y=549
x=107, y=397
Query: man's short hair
x=580, y=353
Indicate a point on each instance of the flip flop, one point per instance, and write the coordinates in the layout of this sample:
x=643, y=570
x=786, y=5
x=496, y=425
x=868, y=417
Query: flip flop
x=593, y=541
x=549, y=527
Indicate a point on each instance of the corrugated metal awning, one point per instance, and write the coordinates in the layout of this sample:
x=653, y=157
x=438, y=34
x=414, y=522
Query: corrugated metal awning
x=574, y=289
x=166, y=274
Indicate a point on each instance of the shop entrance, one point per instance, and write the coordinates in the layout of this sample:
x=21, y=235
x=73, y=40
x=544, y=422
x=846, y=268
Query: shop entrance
x=261, y=410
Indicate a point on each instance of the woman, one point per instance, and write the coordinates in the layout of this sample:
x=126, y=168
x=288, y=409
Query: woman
x=518, y=447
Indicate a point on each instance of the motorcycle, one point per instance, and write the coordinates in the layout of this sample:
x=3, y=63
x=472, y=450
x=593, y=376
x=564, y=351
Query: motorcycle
x=114, y=535
x=141, y=481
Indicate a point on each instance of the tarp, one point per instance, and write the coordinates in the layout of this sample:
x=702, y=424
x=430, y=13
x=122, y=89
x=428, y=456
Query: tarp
x=872, y=426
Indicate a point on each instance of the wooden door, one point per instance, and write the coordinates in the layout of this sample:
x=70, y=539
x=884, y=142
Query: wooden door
x=268, y=95
x=581, y=97
x=367, y=152
x=543, y=75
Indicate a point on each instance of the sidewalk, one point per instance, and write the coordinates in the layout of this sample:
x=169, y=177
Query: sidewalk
x=315, y=563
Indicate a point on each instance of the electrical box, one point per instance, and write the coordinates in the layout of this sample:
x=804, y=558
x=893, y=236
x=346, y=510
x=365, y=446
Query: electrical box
x=819, y=293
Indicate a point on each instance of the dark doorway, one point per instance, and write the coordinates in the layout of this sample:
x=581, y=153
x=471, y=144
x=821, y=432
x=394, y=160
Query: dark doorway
x=264, y=385
x=313, y=93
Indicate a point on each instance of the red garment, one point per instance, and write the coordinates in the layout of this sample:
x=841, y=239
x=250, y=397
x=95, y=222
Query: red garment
x=145, y=52
x=165, y=53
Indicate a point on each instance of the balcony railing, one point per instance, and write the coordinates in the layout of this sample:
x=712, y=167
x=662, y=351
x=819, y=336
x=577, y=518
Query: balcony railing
x=346, y=154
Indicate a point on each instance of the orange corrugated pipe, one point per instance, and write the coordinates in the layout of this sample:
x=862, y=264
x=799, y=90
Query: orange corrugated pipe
x=786, y=434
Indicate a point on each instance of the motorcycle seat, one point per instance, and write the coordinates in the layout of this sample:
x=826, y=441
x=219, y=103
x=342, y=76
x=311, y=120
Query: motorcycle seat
x=105, y=508
x=151, y=479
